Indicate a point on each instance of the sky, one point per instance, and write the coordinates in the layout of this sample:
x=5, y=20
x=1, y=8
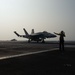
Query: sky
x=40, y=15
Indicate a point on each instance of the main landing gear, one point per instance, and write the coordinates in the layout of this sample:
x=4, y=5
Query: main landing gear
x=43, y=41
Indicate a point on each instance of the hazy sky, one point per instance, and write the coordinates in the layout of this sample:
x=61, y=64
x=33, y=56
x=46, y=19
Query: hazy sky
x=49, y=15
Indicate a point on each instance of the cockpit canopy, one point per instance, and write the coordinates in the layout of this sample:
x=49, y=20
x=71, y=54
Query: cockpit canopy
x=45, y=32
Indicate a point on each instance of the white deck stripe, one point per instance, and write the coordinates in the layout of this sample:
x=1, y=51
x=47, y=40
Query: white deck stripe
x=30, y=53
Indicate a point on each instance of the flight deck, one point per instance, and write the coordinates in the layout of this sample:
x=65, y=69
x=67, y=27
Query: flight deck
x=20, y=58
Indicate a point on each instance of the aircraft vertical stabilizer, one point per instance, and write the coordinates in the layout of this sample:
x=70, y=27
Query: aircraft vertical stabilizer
x=32, y=32
x=25, y=31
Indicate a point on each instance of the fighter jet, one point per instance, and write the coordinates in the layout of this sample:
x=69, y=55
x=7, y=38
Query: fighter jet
x=39, y=36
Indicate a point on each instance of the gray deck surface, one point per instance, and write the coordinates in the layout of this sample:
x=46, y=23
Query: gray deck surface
x=44, y=63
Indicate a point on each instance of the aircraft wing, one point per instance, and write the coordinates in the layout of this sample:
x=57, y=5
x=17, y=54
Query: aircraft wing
x=18, y=34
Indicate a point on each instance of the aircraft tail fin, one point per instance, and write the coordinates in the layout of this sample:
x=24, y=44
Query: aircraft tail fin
x=25, y=31
x=16, y=33
x=32, y=32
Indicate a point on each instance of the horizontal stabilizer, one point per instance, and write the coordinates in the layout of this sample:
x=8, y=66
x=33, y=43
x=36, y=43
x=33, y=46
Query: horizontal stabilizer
x=16, y=33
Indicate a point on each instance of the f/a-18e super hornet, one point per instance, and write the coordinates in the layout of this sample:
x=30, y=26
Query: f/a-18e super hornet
x=39, y=36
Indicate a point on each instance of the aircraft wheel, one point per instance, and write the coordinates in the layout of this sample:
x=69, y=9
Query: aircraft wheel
x=43, y=41
x=28, y=41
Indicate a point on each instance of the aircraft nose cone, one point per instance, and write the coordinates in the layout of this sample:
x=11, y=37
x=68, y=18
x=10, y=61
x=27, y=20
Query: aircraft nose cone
x=52, y=35
x=55, y=36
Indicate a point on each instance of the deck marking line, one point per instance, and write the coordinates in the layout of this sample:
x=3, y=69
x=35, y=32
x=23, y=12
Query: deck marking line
x=30, y=53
